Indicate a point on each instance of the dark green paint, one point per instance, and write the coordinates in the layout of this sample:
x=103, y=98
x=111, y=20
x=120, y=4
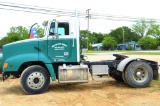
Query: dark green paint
x=45, y=50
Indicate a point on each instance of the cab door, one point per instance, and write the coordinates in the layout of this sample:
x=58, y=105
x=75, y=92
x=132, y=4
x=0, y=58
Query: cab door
x=59, y=41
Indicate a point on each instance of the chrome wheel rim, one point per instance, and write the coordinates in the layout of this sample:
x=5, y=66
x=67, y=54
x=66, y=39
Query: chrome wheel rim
x=140, y=74
x=35, y=80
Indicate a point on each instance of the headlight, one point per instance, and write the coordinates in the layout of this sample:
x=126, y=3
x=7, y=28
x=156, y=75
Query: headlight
x=5, y=65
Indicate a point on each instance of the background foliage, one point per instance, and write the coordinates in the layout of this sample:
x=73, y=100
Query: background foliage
x=145, y=32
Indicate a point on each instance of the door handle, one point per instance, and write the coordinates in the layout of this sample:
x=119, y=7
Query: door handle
x=37, y=48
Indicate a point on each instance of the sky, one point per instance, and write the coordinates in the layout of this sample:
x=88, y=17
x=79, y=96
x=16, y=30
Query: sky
x=132, y=8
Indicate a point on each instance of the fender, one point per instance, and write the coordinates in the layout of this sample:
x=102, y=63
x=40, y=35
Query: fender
x=45, y=59
x=123, y=63
x=16, y=61
x=20, y=59
x=51, y=71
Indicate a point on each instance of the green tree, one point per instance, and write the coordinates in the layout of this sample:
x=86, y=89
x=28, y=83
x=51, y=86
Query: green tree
x=17, y=33
x=148, y=43
x=40, y=31
x=83, y=39
x=98, y=37
x=147, y=27
x=154, y=31
x=93, y=38
x=124, y=34
x=109, y=43
x=21, y=33
x=143, y=26
x=3, y=41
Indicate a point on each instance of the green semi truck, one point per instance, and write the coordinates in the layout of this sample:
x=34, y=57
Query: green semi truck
x=57, y=56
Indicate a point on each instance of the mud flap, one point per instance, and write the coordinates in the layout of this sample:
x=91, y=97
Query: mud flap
x=5, y=76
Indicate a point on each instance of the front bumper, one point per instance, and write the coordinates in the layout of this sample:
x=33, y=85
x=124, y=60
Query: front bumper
x=5, y=75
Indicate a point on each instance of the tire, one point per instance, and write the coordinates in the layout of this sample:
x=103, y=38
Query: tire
x=117, y=75
x=35, y=80
x=123, y=77
x=138, y=74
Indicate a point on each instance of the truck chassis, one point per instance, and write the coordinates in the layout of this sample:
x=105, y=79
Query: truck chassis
x=134, y=72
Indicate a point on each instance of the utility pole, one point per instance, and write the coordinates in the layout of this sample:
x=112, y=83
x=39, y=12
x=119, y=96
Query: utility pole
x=123, y=34
x=88, y=16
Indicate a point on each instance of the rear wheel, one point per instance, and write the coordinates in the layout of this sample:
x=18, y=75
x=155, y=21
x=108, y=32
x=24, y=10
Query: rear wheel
x=117, y=75
x=123, y=77
x=35, y=79
x=138, y=74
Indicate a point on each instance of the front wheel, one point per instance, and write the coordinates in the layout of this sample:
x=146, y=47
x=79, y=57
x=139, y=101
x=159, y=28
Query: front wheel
x=35, y=79
x=138, y=74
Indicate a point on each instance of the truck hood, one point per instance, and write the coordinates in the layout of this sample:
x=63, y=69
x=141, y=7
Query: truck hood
x=20, y=48
x=22, y=41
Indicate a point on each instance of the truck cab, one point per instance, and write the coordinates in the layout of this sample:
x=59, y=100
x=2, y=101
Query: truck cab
x=62, y=38
x=60, y=45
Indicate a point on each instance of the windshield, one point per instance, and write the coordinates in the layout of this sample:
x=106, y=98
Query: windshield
x=63, y=28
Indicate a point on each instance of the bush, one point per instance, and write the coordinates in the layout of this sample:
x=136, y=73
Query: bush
x=129, y=47
x=148, y=43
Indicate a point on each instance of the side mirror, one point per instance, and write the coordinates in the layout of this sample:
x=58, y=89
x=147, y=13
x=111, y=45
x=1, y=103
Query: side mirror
x=45, y=23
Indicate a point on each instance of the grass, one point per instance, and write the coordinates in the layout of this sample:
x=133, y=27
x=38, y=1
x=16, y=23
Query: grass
x=95, y=52
x=123, y=52
x=143, y=53
x=102, y=51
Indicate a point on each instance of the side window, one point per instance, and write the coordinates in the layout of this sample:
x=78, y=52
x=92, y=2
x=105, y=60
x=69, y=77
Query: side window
x=63, y=28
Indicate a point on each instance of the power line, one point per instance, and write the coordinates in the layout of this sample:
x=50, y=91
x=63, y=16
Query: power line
x=81, y=13
x=70, y=14
x=38, y=12
x=62, y=12
x=35, y=9
x=127, y=18
x=24, y=6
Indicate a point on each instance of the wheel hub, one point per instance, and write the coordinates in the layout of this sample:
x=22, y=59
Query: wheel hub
x=138, y=74
x=35, y=80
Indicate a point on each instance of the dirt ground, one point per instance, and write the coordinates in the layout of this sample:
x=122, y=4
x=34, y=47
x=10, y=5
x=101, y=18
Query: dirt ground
x=94, y=93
